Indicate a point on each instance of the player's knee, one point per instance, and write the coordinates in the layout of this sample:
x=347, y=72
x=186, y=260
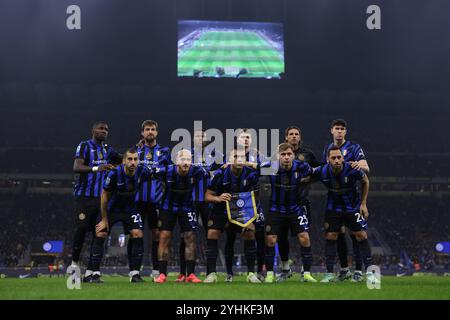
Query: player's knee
x=248, y=235
x=189, y=237
x=331, y=235
x=136, y=233
x=155, y=234
x=101, y=234
x=361, y=235
x=271, y=241
x=164, y=236
x=213, y=234
x=304, y=239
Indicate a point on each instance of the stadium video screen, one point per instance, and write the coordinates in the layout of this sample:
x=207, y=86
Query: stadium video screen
x=221, y=49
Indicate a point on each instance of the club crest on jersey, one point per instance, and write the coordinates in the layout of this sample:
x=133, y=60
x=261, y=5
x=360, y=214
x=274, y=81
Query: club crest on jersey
x=296, y=175
x=346, y=180
x=148, y=156
x=100, y=156
x=326, y=225
x=81, y=216
x=159, y=223
x=301, y=157
x=244, y=183
x=344, y=153
x=158, y=153
x=268, y=228
x=210, y=223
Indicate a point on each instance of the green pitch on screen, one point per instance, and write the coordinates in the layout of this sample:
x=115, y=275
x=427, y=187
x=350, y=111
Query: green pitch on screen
x=238, y=49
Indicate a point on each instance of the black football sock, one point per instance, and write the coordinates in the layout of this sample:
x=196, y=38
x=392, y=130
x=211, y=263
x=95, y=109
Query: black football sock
x=342, y=250
x=211, y=255
x=155, y=261
x=260, y=249
x=162, y=267
x=129, y=249
x=229, y=251
x=137, y=253
x=364, y=247
x=283, y=246
x=356, y=253
x=182, y=257
x=306, y=258
x=250, y=254
x=269, y=257
x=330, y=254
x=98, y=245
x=78, y=240
x=190, y=265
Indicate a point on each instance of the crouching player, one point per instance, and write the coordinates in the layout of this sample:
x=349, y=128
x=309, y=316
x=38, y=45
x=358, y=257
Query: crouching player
x=344, y=206
x=228, y=181
x=285, y=209
x=118, y=205
x=178, y=205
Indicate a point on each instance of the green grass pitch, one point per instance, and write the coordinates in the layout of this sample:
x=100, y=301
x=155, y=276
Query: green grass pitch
x=118, y=287
x=238, y=49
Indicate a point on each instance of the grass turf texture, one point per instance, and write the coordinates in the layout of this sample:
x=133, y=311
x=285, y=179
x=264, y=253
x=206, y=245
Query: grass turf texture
x=231, y=49
x=118, y=287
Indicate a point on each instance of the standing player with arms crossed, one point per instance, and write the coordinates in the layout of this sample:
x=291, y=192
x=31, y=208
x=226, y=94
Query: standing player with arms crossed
x=354, y=155
x=149, y=195
x=93, y=159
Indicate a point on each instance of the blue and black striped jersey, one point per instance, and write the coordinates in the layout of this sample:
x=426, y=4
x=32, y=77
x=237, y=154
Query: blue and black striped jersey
x=90, y=184
x=152, y=157
x=178, y=189
x=225, y=181
x=350, y=151
x=205, y=159
x=124, y=187
x=343, y=195
x=285, y=185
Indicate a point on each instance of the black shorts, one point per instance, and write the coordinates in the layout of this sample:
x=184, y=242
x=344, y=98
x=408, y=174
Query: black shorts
x=296, y=222
x=87, y=210
x=149, y=211
x=335, y=220
x=130, y=220
x=203, y=211
x=186, y=220
x=218, y=220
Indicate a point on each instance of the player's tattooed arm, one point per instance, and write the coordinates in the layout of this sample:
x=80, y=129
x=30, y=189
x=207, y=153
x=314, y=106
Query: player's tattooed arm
x=360, y=165
x=365, y=192
x=80, y=167
x=103, y=224
x=210, y=196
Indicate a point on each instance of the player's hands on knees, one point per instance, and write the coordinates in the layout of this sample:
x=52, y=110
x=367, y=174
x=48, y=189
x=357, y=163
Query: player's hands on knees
x=224, y=197
x=102, y=225
x=355, y=165
x=364, y=211
x=105, y=167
